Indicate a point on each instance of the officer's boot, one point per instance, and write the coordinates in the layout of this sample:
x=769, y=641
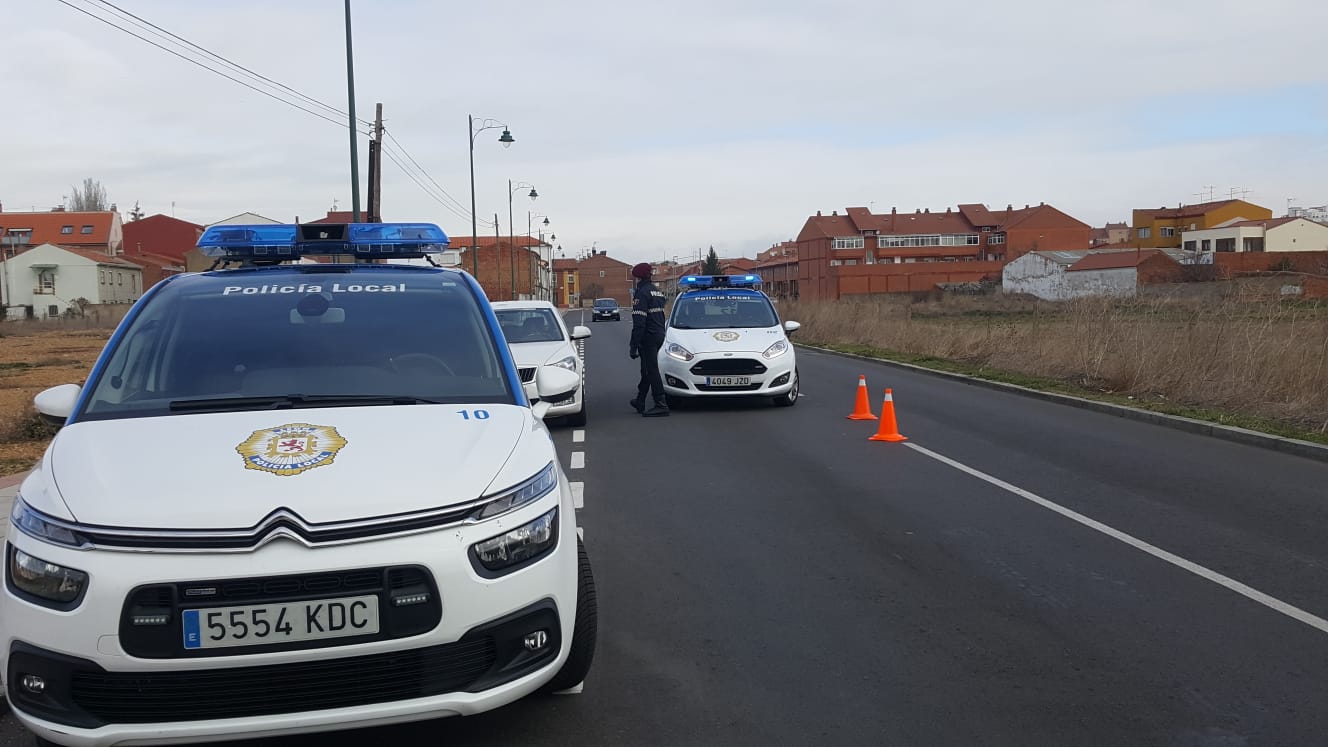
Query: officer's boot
x=659, y=410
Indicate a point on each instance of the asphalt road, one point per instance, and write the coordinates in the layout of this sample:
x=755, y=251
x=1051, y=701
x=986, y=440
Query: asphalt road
x=1032, y=574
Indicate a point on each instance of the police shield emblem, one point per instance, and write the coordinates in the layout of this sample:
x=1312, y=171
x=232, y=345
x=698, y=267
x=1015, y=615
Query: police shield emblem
x=291, y=448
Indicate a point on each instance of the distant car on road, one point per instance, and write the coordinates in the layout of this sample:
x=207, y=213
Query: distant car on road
x=606, y=308
x=295, y=498
x=538, y=337
x=724, y=339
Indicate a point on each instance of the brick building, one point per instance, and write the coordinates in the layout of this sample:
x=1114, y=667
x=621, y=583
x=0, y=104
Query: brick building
x=1162, y=228
x=860, y=252
x=502, y=261
x=602, y=276
x=564, y=282
x=778, y=268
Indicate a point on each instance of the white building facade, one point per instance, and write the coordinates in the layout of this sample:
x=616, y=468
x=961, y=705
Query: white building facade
x=44, y=281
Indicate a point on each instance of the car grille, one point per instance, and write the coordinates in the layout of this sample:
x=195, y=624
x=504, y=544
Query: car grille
x=147, y=697
x=168, y=601
x=728, y=367
x=527, y=374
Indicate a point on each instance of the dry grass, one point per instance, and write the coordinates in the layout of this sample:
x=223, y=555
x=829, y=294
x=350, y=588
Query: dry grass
x=30, y=362
x=1265, y=359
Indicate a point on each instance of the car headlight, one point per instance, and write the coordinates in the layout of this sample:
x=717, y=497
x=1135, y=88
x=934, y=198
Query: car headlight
x=40, y=526
x=675, y=350
x=526, y=542
x=38, y=578
x=776, y=350
x=568, y=363
x=532, y=489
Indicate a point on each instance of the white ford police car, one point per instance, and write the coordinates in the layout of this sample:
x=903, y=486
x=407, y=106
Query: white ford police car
x=724, y=339
x=538, y=337
x=294, y=498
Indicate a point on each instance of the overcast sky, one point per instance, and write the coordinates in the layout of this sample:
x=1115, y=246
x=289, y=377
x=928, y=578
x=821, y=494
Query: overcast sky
x=652, y=130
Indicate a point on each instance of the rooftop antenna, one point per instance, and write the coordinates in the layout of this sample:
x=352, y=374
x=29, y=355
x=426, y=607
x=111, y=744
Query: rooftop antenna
x=1242, y=191
x=334, y=204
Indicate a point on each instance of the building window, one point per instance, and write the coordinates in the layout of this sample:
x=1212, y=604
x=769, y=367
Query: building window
x=849, y=242
x=1254, y=245
x=85, y=230
x=935, y=239
x=46, y=281
x=119, y=278
x=101, y=276
x=1166, y=231
x=1226, y=245
x=66, y=230
x=52, y=311
x=996, y=238
x=836, y=262
x=1206, y=245
x=17, y=236
x=1145, y=233
x=1191, y=246
x=601, y=273
x=850, y=261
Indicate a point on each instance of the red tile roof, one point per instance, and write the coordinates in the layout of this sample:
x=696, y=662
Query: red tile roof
x=1117, y=260
x=463, y=242
x=101, y=257
x=1188, y=211
x=340, y=216
x=46, y=227
x=968, y=219
x=161, y=235
x=562, y=264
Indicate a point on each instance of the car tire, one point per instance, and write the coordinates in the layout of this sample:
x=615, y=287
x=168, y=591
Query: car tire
x=789, y=398
x=584, y=630
x=578, y=419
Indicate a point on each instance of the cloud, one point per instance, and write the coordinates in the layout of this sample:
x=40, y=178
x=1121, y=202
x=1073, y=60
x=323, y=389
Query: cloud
x=653, y=131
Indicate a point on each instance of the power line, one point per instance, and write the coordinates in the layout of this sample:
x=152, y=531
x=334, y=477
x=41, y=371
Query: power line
x=463, y=215
x=144, y=23
x=206, y=67
x=407, y=154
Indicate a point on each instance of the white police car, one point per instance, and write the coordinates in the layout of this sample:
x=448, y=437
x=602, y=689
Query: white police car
x=294, y=498
x=538, y=337
x=724, y=339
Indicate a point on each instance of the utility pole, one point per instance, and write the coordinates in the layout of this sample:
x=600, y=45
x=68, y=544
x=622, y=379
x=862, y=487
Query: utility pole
x=354, y=129
x=376, y=169
x=497, y=253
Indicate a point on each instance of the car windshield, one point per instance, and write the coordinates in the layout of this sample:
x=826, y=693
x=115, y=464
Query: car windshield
x=605, y=303
x=723, y=309
x=530, y=325
x=237, y=339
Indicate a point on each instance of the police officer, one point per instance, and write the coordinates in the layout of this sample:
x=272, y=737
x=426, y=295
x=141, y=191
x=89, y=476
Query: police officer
x=647, y=338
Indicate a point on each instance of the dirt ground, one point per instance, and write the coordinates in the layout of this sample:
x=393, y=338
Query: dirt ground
x=30, y=363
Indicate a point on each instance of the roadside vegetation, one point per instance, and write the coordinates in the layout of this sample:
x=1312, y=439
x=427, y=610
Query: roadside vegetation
x=32, y=358
x=1260, y=364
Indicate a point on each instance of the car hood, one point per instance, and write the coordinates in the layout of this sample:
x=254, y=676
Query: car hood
x=201, y=471
x=728, y=340
x=529, y=354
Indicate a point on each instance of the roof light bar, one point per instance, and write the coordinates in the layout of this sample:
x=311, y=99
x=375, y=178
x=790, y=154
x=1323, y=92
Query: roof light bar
x=701, y=282
x=278, y=242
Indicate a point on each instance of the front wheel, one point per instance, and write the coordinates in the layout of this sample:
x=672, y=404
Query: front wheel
x=584, y=630
x=789, y=398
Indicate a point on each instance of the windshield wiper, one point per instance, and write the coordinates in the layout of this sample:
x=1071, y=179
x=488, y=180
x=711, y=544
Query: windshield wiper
x=291, y=401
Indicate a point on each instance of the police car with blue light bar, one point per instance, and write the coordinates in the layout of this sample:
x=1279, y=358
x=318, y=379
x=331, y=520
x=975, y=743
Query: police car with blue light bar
x=724, y=339
x=295, y=497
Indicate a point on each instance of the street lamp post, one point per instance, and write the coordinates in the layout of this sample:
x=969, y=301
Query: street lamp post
x=536, y=279
x=354, y=129
x=511, y=232
x=506, y=139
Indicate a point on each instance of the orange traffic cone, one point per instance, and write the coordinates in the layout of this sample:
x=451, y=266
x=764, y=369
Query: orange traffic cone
x=889, y=430
x=862, y=408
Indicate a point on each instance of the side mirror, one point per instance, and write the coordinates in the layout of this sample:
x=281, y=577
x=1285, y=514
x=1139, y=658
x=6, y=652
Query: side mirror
x=580, y=332
x=792, y=327
x=57, y=403
x=555, y=382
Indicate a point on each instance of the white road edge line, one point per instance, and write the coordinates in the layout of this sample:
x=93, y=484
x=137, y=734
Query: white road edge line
x=578, y=495
x=578, y=436
x=578, y=460
x=1248, y=592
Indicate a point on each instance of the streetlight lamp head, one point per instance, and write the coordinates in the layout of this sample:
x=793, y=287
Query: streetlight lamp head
x=553, y=237
x=506, y=138
x=546, y=221
x=533, y=193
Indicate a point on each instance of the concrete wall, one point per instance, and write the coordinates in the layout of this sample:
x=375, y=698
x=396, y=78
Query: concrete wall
x=1297, y=236
x=1037, y=276
x=1120, y=282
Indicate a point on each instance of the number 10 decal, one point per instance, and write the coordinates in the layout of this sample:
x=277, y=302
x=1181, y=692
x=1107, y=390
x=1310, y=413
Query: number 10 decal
x=476, y=414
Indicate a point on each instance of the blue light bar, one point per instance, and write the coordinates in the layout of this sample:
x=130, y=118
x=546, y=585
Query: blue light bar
x=701, y=282
x=280, y=242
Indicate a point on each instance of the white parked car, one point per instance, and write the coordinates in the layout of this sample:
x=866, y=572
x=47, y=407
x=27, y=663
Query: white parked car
x=724, y=339
x=294, y=498
x=538, y=337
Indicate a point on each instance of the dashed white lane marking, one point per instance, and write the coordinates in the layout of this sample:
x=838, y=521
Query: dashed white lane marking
x=578, y=495
x=573, y=690
x=578, y=460
x=578, y=436
x=1248, y=592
